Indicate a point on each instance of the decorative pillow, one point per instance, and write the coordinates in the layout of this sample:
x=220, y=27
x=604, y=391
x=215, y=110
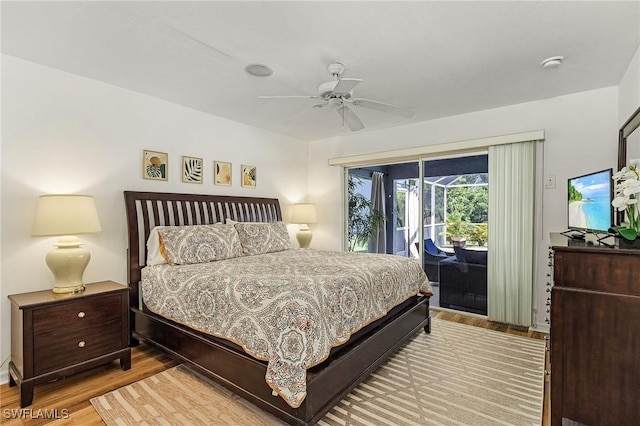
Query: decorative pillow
x=182, y=245
x=258, y=238
x=154, y=256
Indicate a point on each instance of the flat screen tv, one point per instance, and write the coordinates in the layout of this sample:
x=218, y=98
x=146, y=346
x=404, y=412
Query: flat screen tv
x=590, y=199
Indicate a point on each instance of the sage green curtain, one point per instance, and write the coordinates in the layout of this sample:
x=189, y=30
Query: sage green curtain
x=510, y=272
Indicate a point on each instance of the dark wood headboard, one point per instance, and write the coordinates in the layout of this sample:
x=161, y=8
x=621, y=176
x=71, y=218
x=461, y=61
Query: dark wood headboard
x=145, y=210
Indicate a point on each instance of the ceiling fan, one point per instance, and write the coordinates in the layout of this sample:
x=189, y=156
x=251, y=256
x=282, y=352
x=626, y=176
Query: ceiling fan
x=337, y=94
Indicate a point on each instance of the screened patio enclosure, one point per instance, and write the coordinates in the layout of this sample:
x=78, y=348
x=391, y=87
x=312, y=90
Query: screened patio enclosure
x=454, y=199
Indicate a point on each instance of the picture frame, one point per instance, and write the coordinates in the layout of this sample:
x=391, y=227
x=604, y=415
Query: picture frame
x=222, y=173
x=192, y=169
x=248, y=176
x=155, y=165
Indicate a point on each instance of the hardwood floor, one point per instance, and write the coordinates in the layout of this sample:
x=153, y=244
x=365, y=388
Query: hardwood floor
x=74, y=392
x=66, y=401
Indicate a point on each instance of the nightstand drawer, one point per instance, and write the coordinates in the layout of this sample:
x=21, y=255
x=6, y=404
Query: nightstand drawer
x=55, y=336
x=54, y=351
x=84, y=313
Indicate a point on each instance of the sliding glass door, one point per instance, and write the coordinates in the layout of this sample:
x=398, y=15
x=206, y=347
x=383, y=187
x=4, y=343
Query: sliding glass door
x=435, y=210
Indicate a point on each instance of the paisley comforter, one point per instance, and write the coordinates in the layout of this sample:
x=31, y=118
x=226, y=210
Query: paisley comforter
x=288, y=308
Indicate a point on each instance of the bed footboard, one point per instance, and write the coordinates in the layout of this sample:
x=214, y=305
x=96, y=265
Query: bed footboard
x=327, y=383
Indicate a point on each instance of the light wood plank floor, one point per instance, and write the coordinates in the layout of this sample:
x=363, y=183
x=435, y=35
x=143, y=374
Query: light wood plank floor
x=73, y=393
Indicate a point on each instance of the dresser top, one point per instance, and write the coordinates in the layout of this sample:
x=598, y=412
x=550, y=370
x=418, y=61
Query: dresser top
x=610, y=245
x=44, y=297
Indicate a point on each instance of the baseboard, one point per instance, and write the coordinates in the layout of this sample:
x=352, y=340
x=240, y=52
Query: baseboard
x=456, y=311
x=4, y=376
x=541, y=328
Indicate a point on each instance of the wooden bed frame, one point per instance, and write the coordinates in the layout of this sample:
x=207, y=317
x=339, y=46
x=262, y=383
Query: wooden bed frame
x=227, y=363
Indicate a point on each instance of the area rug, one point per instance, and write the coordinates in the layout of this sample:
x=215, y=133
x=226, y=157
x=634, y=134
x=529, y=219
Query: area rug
x=457, y=375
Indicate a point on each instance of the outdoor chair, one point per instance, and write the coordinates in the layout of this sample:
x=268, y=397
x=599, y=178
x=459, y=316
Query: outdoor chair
x=431, y=259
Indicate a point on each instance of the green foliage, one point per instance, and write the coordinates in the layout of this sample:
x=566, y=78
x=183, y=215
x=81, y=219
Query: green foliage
x=401, y=200
x=364, y=222
x=456, y=227
x=471, y=203
x=479, y=233
x=627, y=233
x=574, y=194
x=468, y=211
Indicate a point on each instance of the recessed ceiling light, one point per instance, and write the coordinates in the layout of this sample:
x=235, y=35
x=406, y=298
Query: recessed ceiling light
x=552, y=62
x=258, y=70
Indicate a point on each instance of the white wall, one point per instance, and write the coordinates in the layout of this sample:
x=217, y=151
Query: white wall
x=581, y=136
x=63, y=133
x=629, y=90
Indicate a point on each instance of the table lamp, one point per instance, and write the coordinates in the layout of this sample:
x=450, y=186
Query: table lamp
x=304, y=214
x=65, y=216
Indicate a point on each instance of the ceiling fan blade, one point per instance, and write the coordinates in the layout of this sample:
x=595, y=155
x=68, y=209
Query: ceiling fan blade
x=350, y=118
x=345, y=85
x=289, y=97
x=383, y=107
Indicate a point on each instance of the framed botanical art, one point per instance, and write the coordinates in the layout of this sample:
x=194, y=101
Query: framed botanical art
x=155, y=165
x=248, y=176
x=221, y=173
x=191, y=169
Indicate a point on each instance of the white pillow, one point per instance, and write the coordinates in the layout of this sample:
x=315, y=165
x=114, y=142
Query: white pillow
x=154, y=257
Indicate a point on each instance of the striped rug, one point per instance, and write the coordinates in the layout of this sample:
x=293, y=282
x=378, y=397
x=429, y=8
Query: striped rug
x=457, y=375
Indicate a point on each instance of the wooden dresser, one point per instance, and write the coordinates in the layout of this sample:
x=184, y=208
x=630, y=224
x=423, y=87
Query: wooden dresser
x=55, y=335
x=595, y=334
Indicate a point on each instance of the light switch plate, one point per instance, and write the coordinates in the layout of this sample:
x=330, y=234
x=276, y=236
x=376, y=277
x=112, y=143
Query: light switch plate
x=550, y=181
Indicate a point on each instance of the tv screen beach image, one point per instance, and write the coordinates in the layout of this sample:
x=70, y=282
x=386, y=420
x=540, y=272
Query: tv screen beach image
x=590, y=201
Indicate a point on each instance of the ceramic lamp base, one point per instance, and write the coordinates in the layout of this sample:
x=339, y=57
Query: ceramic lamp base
x=65, y=290
x=67, y=262
x=304, y=238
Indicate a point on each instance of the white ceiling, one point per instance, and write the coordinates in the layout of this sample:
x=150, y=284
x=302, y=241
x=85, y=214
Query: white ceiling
x=439, y=58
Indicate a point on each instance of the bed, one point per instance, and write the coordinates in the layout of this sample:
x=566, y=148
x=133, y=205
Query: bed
x=240, y=366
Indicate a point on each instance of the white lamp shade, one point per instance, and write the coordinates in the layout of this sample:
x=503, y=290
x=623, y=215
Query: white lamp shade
x=65, y=215
x=304, y=213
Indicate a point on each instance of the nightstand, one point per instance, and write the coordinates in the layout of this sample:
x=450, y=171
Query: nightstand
x=56, y=335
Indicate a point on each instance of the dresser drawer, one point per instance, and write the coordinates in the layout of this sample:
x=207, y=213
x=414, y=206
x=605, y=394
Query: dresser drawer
x=83, y=313
x=54, y=351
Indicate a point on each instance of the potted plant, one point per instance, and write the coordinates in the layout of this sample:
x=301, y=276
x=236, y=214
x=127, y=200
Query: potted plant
x=456, y=230
x=627, y=193
x=364, y=221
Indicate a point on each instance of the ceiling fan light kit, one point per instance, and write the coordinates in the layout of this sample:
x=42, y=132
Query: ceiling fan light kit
x=336, y=69
x=337, y=93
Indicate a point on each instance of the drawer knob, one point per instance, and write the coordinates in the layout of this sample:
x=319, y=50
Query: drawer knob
x=81, y=314
x=81, y=344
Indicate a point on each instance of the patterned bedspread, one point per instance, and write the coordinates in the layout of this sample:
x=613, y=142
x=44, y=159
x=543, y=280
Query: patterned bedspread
x=288, y=308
